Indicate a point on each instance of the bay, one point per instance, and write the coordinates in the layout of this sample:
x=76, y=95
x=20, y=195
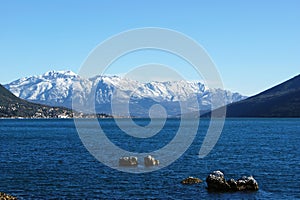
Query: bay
x=45, y=159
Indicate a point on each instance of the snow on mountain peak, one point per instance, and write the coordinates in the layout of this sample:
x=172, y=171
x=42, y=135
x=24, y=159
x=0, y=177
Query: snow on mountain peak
x=55, y=74
x=60, y=88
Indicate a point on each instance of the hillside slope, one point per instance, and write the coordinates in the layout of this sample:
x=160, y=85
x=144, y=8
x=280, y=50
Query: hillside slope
x=14, y=107
x=282, y=100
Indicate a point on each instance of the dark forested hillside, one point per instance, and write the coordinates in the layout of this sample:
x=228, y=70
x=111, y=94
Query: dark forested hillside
x=282, y=100
x=12, y=106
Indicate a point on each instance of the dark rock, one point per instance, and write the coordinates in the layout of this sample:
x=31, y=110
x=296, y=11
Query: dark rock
x=233, y=185
x=150, y=161
x=216, y=182
x=128, y=161
x=247, y=183
x=191, y=180
x=4, y=196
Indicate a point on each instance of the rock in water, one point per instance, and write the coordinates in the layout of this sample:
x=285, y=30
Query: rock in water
x=4, y=196
x=191, y=180
x=247, y=183
x=216, y=182
x=150, y=161
x=128, y=161
x=233, y=185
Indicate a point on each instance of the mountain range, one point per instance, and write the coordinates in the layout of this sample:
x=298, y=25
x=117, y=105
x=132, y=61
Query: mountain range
x=282, y=100
x=60, y=88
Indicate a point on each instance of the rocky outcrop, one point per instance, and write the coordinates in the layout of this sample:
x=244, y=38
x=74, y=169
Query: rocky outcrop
x=133, y=161
x=247, y=183
x=4, y=196
x=191, y=180
x=216, y=182
x=128, y=161
x=150, y=161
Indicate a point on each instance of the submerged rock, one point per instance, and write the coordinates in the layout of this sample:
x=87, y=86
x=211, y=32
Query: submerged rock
x=150, y=161
x=216, y=182
x=128, y=161
x=191, y=180
x=4, y=196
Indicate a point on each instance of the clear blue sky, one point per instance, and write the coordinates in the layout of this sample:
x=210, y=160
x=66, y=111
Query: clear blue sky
x=254, y=44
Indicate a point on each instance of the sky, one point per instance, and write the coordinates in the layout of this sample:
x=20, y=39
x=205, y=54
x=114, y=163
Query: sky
x=253, y=44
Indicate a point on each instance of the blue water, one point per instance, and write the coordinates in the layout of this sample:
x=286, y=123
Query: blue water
x=45, y=159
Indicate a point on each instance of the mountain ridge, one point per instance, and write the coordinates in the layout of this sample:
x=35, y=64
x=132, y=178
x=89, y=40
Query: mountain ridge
x=59, y=88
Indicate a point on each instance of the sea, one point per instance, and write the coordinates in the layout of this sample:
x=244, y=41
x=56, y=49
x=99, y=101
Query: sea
x=46, y=159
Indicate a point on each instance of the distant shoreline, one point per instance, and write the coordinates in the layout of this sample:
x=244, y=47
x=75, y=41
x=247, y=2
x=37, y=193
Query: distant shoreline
x=201, y=118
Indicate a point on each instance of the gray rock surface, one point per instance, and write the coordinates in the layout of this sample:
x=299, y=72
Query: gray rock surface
x=128, y=161
x=150, y=161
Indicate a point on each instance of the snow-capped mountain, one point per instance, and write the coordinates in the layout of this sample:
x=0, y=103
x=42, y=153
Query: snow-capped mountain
x=60, y=88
